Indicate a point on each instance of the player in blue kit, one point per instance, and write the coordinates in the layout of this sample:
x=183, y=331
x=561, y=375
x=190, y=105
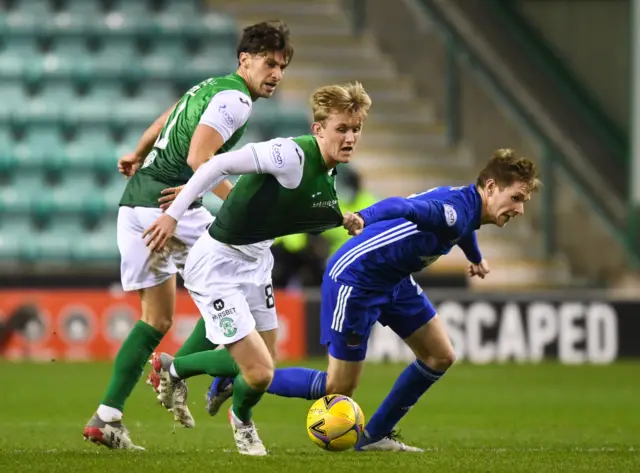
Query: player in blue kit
x=368, y=280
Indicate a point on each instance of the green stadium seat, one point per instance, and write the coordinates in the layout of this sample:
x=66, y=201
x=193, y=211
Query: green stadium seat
x=116, y=57
x=18, y=196
x=139, y=8
x=209, y=65
x=71, y=197
x=145, y=107
x=50, y=104
x=14, y=234
x=112, y=192
x=18, y=55
x=38, y=9
x=96, y=107
x=97, y=246
x=91, y=148
x=86, y=8
x=42, y=146
x=186, y=10
x=56, y=242
x=17, y=23
x=13, y=96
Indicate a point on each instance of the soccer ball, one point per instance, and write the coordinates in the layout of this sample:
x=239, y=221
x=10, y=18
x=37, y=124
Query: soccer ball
x=335, y=423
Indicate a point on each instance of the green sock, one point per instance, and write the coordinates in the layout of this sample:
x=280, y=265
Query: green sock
x=244, y=398
x=197, y=341
x=129, y=363
x=214, y=363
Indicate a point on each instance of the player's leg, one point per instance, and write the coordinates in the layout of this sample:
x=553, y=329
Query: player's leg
x=153, y=275
x=262, y=303
x=414, y=319
x=245, y=358
x=347, y=315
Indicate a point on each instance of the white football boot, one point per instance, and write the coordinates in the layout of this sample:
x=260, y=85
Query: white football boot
x=172, y=392
x=246, y=437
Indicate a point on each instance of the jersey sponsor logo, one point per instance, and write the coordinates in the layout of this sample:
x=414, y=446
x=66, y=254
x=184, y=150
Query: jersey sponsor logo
x=227, y=118
x=450, y=215
x=220, y=311
x=218, y=304
x=228, y=327
x=325, y=204
x=276, y=155
x=243, y=101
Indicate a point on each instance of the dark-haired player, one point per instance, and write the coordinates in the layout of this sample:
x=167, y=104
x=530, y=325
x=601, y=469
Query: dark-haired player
x=209, y=119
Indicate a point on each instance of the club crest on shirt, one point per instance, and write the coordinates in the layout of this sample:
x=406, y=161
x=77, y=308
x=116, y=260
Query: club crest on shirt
x=450, y=215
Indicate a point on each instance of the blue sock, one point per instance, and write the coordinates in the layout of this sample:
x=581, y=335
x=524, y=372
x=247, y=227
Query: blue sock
x=304, y=383
x=410, y=385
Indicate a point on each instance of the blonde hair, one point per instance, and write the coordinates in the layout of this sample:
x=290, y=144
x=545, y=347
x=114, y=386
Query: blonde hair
x=340, y=98
x=505, y=167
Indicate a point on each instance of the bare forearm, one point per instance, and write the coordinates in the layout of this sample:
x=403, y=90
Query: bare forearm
x=149, y=137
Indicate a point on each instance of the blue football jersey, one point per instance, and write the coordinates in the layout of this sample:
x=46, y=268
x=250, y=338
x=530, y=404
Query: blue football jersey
x=405, y=235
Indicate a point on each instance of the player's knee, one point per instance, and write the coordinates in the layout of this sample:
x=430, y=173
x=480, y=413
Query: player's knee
x=161, y=324
x=346, y=387
x=442, y=361
x=259, y=376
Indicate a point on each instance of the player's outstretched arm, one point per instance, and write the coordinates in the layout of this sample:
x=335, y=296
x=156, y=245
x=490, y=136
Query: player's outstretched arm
x=469, y=245
x=130, y=162
x=429, y=215
x=281, y=158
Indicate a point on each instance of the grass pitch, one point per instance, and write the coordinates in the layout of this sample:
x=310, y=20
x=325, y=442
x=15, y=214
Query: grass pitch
x=506, y=418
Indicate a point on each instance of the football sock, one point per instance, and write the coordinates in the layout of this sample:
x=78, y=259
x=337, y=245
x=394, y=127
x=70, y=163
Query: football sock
x=304, y=383
x=244, y=398
x=129, y=363
x=197, y=341
x=412, y=383
x=212, y=362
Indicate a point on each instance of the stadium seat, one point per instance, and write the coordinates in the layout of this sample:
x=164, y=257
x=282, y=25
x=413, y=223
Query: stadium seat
x=56, y=242
x=50, y=104
x=18, y=54
x=112, y=193
x=92, y=148
x=42, y=146
x=14, y=237
x=96, y=106
x=116, y=57
x=83, y=7
x=98, y=245
x=17, y=197
x=12, y=97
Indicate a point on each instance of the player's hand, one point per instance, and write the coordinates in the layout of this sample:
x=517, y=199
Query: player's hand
x=168, y=196
x=353, y=223
x=129, y=164
x=160, y=232
x=480, y=270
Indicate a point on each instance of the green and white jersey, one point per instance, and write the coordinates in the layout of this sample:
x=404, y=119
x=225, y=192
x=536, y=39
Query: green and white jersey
x=223, y=103
x=293, y=192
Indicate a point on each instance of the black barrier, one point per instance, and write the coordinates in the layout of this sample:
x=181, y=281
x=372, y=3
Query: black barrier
x=484, y=328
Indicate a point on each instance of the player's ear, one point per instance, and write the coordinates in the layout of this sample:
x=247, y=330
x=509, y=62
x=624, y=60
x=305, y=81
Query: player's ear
x=316, y=127
x=490, y=186
x=244, y=59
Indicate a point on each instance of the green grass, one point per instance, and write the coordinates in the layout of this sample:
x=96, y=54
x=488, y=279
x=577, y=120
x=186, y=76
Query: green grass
x=508, y=418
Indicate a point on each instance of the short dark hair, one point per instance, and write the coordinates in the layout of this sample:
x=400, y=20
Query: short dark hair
x=267, y=36
x=505, y=167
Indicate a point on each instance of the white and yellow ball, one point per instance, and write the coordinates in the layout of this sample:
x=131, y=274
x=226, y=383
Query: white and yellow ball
x=335, y=423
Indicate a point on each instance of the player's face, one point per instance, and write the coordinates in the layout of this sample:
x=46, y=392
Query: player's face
x=339, y=135
x=506, y=203
x=263, y=72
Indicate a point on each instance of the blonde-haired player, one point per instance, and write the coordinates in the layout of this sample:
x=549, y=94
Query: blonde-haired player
x=287, y=187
